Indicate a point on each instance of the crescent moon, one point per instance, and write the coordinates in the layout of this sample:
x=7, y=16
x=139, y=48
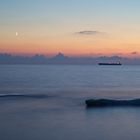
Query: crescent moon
x=16, y=33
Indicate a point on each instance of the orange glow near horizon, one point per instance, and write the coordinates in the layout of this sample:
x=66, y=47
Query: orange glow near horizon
x=76, y=49
x=70, y=44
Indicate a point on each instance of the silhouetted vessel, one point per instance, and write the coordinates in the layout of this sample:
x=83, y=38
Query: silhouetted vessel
x=110, y=63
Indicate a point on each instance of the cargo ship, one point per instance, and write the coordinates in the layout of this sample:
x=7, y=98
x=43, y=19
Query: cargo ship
x=118, y=63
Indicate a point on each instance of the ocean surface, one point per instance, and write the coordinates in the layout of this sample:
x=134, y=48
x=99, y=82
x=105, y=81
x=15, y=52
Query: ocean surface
x=47, y=102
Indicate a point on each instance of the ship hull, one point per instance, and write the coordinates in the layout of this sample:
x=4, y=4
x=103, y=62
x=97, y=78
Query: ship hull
x=114, y=64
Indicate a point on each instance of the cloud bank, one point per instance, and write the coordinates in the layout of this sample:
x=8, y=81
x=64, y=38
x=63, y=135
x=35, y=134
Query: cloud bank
x=60, y=58
x=134, y=53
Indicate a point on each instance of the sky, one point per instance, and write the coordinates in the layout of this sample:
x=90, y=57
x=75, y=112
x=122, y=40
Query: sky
x=73, y=27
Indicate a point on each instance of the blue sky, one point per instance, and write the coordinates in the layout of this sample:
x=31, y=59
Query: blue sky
x=53, y=9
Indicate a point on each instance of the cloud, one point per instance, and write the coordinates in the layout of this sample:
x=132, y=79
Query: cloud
x=134, y=53
x=88, y=32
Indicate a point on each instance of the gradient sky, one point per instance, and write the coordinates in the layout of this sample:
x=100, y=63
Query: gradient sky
x=74, y=27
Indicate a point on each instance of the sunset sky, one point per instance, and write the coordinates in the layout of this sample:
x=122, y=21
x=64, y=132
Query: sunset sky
x=73, y=27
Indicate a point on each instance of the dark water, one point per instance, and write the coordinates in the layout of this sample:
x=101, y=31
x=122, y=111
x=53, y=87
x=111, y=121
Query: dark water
x=47, y=102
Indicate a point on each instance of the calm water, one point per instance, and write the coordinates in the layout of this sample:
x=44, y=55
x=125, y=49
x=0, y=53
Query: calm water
x=47, y=102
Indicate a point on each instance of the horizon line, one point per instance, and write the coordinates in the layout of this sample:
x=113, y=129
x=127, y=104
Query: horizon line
x=66, y=55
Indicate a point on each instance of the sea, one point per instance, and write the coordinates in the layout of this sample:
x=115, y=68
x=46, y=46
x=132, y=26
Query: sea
x=47, y=102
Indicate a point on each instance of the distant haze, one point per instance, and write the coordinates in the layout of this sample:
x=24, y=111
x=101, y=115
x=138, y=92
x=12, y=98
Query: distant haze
x=65, y=60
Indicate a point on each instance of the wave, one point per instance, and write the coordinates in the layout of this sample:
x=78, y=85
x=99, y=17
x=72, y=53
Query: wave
x=22, y=96
x=111, y=102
